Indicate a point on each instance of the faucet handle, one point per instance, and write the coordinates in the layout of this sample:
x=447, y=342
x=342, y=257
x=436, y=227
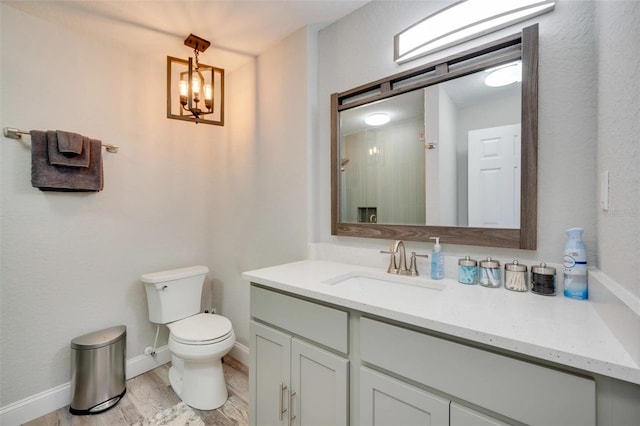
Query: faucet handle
x=393, y=266
x=413, y=267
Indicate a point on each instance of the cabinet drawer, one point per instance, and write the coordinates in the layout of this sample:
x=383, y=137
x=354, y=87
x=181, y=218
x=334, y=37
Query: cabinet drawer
x=517, y=389
x=318, y=323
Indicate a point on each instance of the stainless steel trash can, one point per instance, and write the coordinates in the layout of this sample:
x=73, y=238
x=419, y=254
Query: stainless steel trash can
x=98, y=370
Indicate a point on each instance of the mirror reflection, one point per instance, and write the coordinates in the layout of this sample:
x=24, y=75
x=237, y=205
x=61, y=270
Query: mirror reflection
x=443, y=155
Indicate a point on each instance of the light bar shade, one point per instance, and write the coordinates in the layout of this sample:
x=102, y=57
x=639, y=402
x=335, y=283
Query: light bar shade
x=462, y=21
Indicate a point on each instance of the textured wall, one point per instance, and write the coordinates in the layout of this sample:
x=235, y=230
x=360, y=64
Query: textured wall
x=71, y=261
x=618, y=40
x=177, y=194
x=261, y=177
x=359, y=49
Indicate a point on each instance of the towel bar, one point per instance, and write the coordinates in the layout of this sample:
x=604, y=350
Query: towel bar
x=12, y=133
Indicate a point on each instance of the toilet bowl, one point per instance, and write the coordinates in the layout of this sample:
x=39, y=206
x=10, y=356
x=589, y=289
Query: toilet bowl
x=197, y=345
x=197, y=341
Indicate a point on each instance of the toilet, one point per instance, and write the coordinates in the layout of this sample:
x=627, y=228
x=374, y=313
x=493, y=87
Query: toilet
x=197, y=341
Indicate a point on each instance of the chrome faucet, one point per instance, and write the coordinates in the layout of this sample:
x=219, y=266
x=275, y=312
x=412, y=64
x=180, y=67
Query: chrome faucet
x=400, y=267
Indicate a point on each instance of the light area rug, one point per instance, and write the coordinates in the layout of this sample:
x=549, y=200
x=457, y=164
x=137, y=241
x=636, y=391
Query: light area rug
x=178, y=415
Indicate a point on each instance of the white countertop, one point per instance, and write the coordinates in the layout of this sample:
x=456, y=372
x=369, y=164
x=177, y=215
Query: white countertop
x=557, y=329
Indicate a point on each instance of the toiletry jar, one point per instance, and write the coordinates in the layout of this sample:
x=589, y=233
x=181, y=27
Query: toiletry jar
x=467, y=271
x=490, y=273
x=543, y=280
x=515, y=276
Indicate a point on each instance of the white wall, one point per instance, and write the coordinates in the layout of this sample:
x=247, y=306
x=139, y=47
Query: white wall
x=359, y=49
x=232, y=198
x=618, y=152
x=71, y=261
x=449, y=173
x=618, y=121
x=262, y=217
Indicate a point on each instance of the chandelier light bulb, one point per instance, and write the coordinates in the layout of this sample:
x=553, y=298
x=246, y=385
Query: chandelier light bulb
x=184, y=87
x=195, y=86
x=208, y=92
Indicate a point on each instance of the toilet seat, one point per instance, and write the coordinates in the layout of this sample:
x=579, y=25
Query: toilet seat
x=201, y=329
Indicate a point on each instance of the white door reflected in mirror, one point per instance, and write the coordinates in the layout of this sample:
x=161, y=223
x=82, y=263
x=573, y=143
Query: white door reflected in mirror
x=494, y=177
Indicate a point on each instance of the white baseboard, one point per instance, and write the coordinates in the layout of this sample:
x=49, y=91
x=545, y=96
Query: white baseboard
x=36, y=405
x=53, y=399
x=143, y=363
x=240, y=352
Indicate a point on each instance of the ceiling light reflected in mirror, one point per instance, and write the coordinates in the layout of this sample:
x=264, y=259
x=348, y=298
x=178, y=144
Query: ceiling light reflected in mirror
x=377, y=119
x=504, y=75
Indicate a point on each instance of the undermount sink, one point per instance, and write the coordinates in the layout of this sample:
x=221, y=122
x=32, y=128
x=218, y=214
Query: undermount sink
x=385, y=289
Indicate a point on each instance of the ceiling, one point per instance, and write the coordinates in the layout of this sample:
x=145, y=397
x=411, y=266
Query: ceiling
x=237, y=29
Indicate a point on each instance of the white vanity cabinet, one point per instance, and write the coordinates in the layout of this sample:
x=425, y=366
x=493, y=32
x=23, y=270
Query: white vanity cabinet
x=459, y=415
x=315, y=364
x=523, y=391
x=387, y=401
x=292, y=381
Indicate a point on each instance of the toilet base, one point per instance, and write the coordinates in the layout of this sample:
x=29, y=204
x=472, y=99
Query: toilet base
x=200, y=385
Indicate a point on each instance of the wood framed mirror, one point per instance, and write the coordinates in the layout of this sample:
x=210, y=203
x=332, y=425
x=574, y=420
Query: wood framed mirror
x=384, y=181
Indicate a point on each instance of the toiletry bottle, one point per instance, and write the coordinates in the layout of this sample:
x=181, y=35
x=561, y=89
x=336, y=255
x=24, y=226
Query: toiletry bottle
x=575, y=265
x=437, y=261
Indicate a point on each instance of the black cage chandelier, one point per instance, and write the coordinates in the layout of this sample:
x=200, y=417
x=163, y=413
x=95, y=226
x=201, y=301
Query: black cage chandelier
x=195, y=91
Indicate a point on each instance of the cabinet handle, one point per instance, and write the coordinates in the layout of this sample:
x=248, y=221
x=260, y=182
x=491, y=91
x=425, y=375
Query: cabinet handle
x=291, y=415
x=281, y=409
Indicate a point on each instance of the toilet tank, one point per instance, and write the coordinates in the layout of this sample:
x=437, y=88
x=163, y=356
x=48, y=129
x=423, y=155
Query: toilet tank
x=174, y=294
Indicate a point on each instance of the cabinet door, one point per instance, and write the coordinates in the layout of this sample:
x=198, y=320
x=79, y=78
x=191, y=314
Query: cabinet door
x=268, y=373
x=387, y=401
x=320, y=381
x=465, y=416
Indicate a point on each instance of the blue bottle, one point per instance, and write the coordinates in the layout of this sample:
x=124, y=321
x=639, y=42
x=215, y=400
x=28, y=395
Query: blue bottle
x=575, y=265
x=437, y=261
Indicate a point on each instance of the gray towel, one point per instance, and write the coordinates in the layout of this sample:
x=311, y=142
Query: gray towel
x=59, y=158
x=49, y=177
x=69, y=143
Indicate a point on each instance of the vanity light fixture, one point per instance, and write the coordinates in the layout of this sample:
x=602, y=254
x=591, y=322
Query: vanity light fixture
x=462, y=21
x=504, y=75
x=195, y=91
x=377, y=119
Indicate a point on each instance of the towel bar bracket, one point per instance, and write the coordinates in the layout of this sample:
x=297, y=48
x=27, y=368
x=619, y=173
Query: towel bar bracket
x=12, y=133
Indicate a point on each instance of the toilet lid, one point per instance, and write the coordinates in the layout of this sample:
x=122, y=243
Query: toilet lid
x=200, y=328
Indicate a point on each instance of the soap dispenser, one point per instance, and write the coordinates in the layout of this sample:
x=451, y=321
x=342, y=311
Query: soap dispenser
x=437, y=261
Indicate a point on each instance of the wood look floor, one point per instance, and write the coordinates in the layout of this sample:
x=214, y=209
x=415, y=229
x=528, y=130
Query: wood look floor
x=151, y=393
